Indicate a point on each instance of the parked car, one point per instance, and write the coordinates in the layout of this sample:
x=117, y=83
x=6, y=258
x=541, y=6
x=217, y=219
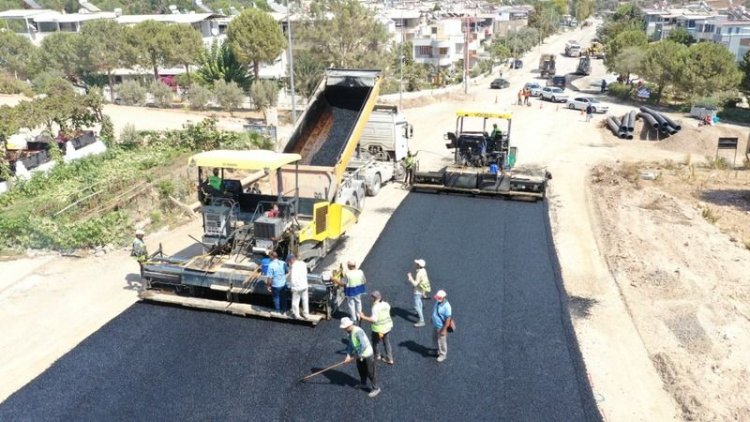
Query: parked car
x=554, y=94
x=499, y=83
x=558, y=81
x=580, y=103
x=516, y=64
x=534, y=87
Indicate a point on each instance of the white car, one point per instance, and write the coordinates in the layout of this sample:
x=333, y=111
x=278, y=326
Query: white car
x=535, y=88
x=554, y=94
x=580, y=103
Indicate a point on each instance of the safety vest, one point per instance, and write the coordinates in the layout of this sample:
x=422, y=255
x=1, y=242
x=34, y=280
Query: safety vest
x=424, y=281
x=139, y=250
x=357, y=346
x=355, y=283
x=409, y=162
x=215, y=182
x=383, y=322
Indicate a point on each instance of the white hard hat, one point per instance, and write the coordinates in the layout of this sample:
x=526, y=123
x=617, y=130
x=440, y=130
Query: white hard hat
x=346, y=322
x=139, y=232
x=420, y=262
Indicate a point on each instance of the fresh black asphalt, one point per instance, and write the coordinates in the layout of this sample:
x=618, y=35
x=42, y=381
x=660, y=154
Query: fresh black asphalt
x=513, y=356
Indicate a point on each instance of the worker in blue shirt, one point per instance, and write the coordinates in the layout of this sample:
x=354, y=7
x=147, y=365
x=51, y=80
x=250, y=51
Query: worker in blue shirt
x=276, y=282
x=442, y=319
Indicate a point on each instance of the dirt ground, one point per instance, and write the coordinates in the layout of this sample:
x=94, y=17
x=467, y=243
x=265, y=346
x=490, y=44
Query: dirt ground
x=658, y=289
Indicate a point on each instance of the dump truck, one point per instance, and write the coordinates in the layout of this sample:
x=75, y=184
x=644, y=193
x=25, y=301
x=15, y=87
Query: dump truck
x=382, y=147
x=488, y=170
x=327, y=135
x=572, y=48
x=547, y=65
x=229, y=275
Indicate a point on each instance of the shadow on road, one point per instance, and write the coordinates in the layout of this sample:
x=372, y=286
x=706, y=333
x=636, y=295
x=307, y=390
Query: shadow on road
x=406, y=315
x=334, y=377
x=133, y=281
x=417, y=348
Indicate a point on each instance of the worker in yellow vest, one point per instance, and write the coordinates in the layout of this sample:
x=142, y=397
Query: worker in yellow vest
x=382, y=324
x=359, y=348
x=353, y=281
x=138, y=250
x=215, y=181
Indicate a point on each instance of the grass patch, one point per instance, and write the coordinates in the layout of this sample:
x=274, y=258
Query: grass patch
x=709, y=215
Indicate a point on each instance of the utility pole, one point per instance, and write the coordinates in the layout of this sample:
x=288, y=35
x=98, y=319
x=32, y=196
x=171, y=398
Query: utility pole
x=291, y=58
x=466, y=56
x=401, y=63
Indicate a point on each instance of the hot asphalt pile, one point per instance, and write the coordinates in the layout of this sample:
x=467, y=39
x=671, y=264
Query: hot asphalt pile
x=512, y=357
x=343, y=123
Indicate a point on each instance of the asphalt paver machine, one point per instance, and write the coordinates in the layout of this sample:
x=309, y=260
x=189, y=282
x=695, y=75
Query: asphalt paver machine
x=483, y=164
x=240, y=228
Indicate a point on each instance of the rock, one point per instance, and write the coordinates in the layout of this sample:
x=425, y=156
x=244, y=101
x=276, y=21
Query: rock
x=648, y=175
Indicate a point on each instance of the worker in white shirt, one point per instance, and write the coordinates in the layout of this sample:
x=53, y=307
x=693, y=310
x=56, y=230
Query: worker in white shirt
x=298, y=283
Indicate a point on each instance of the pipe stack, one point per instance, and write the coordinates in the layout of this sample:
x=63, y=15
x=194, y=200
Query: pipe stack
x=622, y=126
x=664, y=124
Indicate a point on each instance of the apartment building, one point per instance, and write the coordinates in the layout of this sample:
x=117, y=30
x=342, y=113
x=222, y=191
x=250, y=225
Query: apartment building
x=733, y=34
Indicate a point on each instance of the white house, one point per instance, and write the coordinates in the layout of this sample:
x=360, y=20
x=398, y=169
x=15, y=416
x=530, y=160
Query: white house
x=733, y=34
x=442, y=44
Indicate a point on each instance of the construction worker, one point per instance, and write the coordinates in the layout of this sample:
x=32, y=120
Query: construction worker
x=409, y=165
x=359, y=348
x=589, y=112
x=520, y=97
x=299, y=286
x=442, y=319
x=353, y=282
x=138, y=250
x=276, y=283
x=604, y=85
x=421, y=284
x=496, y=132
x=382, y=324
x=215, y=180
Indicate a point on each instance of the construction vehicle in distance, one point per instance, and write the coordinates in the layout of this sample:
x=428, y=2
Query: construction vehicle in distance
x=547, y=65
x=572, y=49
x=596, y=50
x=491, y=173
x=229, y=277
x=584, y=66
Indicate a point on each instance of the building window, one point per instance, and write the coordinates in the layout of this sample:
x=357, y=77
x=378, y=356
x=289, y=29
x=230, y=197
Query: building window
x=424, y=51
x=443, y=51
x=691, y=24
x=434, y=30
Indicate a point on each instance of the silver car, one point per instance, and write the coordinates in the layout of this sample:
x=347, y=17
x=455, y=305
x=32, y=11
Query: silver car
x=580, y=103
x=534, y=87
x=554, y=94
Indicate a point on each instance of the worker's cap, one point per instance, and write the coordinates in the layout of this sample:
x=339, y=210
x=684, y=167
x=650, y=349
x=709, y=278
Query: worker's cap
x=139, y=232
x=420, y=262
x=351, y=263
x=440, y=295
x=346, y=322
x=376, y=295
x=290, y=257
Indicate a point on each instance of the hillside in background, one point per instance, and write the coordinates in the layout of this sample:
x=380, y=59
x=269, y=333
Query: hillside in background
x=130, y=7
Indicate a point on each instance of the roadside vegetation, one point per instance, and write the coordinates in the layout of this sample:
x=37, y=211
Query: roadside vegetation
x=677, y=70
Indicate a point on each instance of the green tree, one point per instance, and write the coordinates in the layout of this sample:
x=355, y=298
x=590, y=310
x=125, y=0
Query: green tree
x=60, y=51
x=628, y=61
x=264, y=94
x=228, y=94
x=681, y=35
x=546, y=17
x=255, y=37
x=199, y=96
x=626, y=17
x=308, y=72
x=710, y=69
x=15, y=51
x=499, y=51
x=623, y=40
x=187, y=45
x=220, y=63
x=104, y=49
x=152, y=43
x=132, y=92
x=344, y=33
x=582, y=9
x=161, y=92
x=662, y=64
x=745, y=68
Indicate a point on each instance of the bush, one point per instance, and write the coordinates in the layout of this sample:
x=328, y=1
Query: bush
x=131, y=92
x=161, y=92
x=107, y=132
x=198, y=96
x=11, y=85
x=228, y=95
x=43, y=81
x=735, y=114
x=130, y=137
x=619, y=90
x=265, y=94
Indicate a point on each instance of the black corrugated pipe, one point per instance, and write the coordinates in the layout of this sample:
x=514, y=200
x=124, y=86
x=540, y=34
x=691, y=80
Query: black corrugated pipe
x=631, y=120
x=624, y=123
x=649, y=120
x=614, y=125
x=663, y=125
x=670, y=122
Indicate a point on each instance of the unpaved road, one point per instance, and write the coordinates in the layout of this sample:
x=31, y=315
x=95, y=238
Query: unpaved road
x=55, y=303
